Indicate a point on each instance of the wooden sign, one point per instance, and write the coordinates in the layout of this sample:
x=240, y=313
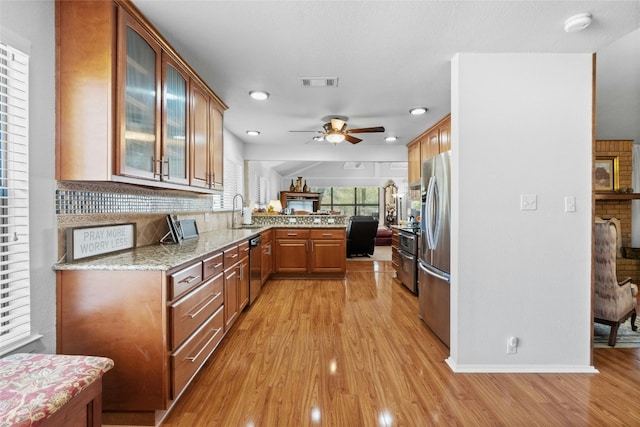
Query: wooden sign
x=84, y=242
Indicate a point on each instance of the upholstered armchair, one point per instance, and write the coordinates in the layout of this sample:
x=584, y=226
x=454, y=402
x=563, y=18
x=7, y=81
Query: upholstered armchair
x=361, y=235
x=614, y=301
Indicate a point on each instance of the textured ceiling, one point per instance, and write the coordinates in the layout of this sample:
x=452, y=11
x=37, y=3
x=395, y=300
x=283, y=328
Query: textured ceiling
x=389, y=56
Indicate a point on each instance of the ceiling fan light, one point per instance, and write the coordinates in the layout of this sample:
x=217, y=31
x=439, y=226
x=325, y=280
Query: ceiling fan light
x=253, y=133
x=260, y=95
x=418, y=111
x=391, y=139
x=334, y=138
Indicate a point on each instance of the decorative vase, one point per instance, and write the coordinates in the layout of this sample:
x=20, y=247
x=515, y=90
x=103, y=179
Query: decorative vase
x=299, y=184
x=292, y=187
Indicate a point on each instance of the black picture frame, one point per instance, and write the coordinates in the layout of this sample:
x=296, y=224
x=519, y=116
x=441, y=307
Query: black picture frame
x=188, y=228
x=174, y=231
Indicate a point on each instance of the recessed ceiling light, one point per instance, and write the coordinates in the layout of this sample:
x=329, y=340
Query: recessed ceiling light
x=391, y=139
x=418, y=110
x=253, y=133
x=260, y=95
x=318, y=138
x=577, y=22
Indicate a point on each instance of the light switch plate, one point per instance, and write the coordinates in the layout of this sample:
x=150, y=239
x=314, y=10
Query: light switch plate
x=569, y=203
x=528, y=202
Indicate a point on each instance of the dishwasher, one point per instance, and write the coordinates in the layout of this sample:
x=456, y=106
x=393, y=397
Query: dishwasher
x=255, y=268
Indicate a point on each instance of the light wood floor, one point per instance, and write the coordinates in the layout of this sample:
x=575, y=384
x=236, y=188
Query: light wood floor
x=353, y=353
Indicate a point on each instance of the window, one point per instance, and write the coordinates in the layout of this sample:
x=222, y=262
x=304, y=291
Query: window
x=350, y=200
x=232, y=186
x=15, y=315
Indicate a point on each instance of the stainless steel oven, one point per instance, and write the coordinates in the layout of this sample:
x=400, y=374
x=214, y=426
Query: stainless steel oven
x=408, y=258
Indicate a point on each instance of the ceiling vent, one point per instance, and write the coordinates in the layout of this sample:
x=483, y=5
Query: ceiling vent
x=319, y=81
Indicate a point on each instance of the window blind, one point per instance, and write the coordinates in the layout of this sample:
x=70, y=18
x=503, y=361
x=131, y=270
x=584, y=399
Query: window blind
x=15, y=316
x=232, y=186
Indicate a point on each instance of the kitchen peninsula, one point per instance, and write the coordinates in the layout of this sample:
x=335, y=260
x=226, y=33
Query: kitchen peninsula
x=159, y=311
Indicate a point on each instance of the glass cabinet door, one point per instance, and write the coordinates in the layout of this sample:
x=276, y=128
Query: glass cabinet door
x=175, y=154
x=139, y=145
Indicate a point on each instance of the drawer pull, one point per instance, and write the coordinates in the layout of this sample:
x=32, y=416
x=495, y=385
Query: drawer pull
x=246, y=249
x=327, y=234
x=193, y=358
x=218, y=265
x=213, y=298
x=292, y=234
x=189, y=280
x=234, y=256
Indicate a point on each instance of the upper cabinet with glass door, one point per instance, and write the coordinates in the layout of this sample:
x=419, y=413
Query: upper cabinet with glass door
x=124, y=97
x=140, y=69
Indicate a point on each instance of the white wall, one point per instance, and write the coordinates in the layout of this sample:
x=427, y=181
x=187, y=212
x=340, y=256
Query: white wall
x=521, y=124
x=32, y=24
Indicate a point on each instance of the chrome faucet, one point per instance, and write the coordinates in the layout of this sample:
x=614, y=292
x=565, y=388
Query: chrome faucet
x=233, y=209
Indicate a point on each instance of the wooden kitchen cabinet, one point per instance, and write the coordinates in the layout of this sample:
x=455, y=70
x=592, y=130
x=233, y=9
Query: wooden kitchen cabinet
x=328, y=251
x=315, y=251
x=243, y=275
x=231, y=286
x=266, y=262
x=395, y=246
x=291, y=250
x=123, y=102
x=413, y=152
x=435, y=140
x=206, y=139
x=158, y=327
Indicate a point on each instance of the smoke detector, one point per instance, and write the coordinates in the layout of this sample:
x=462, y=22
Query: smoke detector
x=577, y=22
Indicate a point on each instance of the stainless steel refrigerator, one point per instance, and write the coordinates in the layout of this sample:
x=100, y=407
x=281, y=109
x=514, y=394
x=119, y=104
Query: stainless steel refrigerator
x=435, y=249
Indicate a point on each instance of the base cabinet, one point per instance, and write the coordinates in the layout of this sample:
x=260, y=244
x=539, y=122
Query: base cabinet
x=158, y=327
x=316, y=251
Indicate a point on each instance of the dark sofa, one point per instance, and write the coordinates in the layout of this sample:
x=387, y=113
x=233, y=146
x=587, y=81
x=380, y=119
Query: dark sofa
x=361, y=235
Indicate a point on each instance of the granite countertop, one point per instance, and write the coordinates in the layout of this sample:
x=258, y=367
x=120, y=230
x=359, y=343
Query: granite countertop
x=168, y=256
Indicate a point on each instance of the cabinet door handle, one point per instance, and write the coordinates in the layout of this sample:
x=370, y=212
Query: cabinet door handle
x=206, y=304
x=156, y=169
x=241, y=267
x=192, y=359
x=189, y=280
x=162, y=163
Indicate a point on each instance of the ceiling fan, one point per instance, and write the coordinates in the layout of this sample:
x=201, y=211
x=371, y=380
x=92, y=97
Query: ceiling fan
x=335, y=131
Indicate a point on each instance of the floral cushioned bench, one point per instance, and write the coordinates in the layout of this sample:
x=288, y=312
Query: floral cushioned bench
x=51, y=389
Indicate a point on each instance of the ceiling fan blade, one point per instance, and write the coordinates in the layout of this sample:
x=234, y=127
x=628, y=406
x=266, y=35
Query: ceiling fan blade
x=363, y=130
x=352, y=139
x=314, y=131
x=338, y=124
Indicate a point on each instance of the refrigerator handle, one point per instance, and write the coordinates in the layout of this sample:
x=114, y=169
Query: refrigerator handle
x=428, y=214
x=440, y=275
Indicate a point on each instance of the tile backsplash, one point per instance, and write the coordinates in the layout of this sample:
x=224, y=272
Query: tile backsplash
x=80, y=204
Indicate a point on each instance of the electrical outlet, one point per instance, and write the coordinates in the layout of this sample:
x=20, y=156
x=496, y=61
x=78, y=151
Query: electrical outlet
x=512, y=345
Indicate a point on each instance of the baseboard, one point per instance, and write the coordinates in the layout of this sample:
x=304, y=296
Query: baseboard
x=521, y=369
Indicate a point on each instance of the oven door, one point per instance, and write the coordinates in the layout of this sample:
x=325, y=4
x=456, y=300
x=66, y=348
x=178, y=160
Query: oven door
x=407, y=270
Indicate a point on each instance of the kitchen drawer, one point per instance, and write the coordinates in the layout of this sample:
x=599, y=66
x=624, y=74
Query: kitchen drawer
x=184, y=280
x=188, y=359
x=230, y=256
x=212, y=265
x=330, y=233
x=292, y=233
x=243, y=249
x=266, y=236
x=190, y=312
